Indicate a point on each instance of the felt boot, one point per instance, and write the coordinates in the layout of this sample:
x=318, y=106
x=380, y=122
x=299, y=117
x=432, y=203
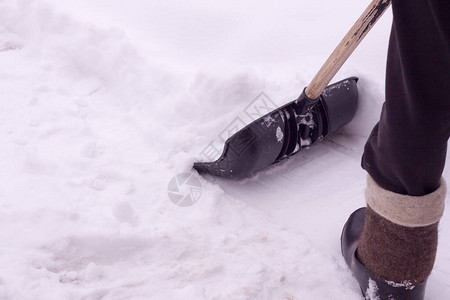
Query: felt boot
x=390, y=246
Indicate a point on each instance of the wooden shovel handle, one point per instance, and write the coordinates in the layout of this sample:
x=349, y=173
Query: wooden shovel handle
x=346, y=47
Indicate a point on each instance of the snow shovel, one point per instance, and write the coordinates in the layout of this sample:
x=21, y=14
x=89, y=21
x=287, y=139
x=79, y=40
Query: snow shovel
x=319, y=111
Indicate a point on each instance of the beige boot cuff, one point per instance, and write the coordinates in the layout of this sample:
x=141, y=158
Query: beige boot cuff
x=410, y=211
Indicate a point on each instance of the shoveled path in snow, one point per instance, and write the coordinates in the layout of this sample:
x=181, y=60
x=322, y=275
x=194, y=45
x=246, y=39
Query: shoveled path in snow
x=315, y=193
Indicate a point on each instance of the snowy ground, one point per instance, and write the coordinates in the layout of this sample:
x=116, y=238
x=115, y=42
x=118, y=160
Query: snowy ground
x=103, y=102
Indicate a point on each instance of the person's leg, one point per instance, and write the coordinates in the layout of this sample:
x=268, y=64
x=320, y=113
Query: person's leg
x=406, y=150
x=405, y=154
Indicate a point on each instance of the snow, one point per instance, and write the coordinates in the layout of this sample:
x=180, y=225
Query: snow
x=372, y=291
x=279, y=134
x=103, y=103
x=406, y=284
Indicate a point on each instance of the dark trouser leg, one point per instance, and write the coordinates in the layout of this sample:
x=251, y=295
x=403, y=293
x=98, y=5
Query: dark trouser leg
x=406, y=151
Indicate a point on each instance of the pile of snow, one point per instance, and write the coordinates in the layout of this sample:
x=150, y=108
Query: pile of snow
x=104, y=102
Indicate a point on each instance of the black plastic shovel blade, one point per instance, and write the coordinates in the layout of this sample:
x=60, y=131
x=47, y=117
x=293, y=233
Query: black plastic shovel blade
x=285, y=131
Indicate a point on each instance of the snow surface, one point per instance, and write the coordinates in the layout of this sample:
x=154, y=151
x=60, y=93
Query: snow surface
x=372, y=291
x=103, y=102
